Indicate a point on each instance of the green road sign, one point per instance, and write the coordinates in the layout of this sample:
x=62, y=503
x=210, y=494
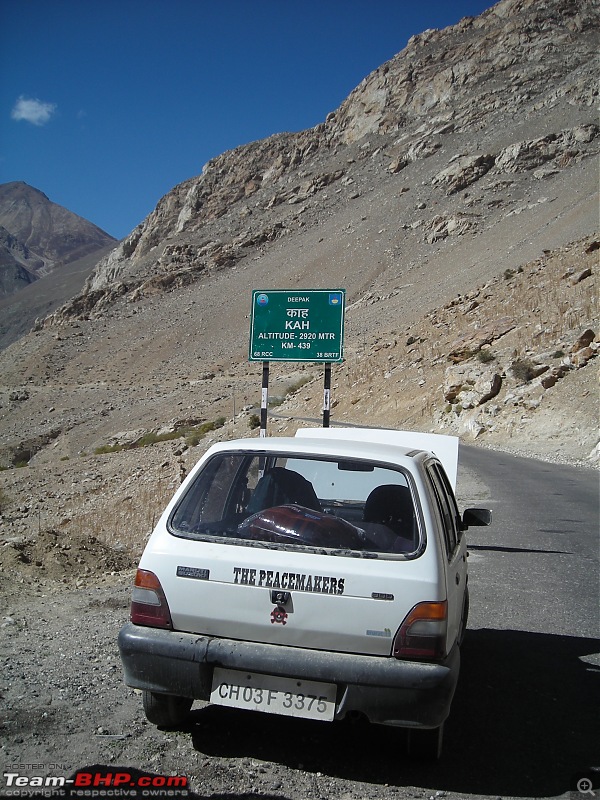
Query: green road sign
x=297, y=325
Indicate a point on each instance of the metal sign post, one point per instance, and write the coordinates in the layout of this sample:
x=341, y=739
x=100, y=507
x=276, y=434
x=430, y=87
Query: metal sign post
x=326, y=395
x=264, y=399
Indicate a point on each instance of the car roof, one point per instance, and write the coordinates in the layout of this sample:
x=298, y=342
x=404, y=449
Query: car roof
x=309, y=442
x=442, y=446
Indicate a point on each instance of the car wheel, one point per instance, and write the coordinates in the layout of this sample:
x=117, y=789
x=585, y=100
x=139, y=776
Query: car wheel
x=165, y=710
x=425, y=744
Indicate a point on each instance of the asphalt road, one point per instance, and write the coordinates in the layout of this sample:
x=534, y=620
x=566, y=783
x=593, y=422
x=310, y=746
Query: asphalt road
x=526, y=713
x=536, y=567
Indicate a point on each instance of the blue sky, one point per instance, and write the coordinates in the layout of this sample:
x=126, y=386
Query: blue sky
x=105, y=105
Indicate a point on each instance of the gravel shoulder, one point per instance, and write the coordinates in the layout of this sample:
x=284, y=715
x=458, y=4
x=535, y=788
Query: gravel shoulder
x=66, y=709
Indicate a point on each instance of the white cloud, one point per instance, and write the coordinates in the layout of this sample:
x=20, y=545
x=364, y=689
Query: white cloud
x=32, y=110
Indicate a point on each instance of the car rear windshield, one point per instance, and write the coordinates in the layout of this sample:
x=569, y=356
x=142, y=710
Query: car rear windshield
x=299, y=502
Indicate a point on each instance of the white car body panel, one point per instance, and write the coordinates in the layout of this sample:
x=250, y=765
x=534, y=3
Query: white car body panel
x=351, y=622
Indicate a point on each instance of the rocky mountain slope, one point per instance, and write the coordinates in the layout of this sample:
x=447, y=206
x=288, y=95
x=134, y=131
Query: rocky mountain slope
x=453, y=195
x=499, y=104
x=38, y=237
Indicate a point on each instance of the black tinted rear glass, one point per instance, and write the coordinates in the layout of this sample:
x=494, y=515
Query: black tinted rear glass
x=300, y=501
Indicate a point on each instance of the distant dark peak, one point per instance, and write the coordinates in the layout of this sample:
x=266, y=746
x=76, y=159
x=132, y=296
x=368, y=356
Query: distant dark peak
x=18, y=189
x=40, y=236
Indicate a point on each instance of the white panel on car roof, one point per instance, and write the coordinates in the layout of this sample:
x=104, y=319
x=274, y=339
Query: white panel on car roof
x=442, y=446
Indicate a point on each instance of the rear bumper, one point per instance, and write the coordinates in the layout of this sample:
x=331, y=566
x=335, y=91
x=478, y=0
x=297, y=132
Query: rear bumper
x=386, y=690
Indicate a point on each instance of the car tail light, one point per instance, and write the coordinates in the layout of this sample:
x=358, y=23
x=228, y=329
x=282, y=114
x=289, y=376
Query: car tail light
x=148, y=602
x=423, y=632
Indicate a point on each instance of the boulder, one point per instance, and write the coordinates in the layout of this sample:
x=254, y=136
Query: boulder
x=463, y=171
x=585, y=340
x=441, y=227
x=472, y=341
x=471, y=385
x=582, y=356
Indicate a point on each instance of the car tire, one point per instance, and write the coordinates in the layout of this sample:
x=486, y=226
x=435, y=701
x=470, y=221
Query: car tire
x=425, y=744
x=165, y=710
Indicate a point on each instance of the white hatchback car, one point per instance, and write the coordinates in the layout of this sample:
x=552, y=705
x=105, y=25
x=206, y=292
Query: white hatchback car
x=318, y=576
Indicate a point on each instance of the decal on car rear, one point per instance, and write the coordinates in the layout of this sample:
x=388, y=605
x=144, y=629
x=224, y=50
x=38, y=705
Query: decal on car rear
x=193, y=572
x=297, y=581
x=386, y=633
x=279, y=614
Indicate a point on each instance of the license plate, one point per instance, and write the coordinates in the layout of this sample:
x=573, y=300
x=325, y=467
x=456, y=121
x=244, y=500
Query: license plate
x=274, y=695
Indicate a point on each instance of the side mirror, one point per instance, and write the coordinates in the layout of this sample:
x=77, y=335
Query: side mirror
x=476, y=516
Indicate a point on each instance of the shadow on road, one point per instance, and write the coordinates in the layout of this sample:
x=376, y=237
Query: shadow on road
x=502, y=549
x=524, y=721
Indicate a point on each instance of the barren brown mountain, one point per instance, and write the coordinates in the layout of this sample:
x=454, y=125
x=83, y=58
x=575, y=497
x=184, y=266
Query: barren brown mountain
x=46, y=253
x=38, y=236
